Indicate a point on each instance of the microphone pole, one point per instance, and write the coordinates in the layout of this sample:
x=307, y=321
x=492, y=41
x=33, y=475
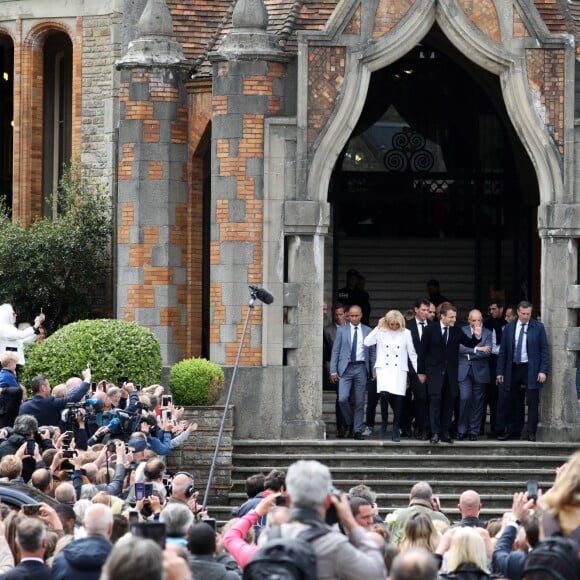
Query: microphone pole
x=253, y=297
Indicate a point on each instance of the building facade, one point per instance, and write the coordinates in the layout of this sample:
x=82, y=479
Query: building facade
x=281, y=143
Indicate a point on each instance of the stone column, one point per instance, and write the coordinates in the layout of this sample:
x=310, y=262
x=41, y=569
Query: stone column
x=248, y=88
x=559, y=412
x=152, y=202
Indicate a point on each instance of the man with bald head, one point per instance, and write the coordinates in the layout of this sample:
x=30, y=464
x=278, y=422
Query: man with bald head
x=473, y=375
x=469, y=506
x=351, y=365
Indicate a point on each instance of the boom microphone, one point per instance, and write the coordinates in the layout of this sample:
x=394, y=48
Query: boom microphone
x=262, y=294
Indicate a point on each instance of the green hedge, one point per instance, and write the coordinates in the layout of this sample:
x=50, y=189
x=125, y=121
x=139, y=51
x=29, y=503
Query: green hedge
x=113, y=348
x=196, y=381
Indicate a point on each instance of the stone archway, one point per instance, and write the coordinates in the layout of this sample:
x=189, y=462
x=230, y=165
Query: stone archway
x=512, y=43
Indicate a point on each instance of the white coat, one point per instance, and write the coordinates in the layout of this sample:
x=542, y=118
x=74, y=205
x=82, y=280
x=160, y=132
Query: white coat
x=394, y=350
x=10, y=337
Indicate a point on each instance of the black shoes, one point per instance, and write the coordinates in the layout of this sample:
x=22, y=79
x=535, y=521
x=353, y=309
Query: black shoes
x=434, y=439
x=473, y=437
x=461, y=437
x=508, y=436
x=422, y=436
x=340, y=432
x=447, y=439
x=349, y=432
x=358, y=436
x=531, y=437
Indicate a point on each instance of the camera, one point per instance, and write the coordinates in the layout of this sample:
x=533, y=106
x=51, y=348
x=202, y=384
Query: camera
x=331, y=515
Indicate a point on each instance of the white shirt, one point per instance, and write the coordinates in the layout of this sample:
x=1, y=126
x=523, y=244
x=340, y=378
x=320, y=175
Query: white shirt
x=421, y=325
x=519, y=327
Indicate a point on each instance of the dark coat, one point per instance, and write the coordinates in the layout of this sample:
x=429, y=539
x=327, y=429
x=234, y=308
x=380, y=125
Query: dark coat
x=465, y=572
x=538, y=353
x=28, y=570
x=208, y=568
x=437, y=358
x=82, y=558
x=47, y=410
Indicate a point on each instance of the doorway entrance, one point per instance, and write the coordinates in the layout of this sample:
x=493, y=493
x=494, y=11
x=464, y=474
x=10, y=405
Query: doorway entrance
x=435, y=183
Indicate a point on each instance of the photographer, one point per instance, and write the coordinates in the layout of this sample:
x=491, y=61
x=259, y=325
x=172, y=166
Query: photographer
x=26, y=443
x=46, y=408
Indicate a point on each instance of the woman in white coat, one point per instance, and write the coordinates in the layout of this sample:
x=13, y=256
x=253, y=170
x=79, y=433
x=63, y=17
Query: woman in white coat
x=12, y=339
x=394, y=350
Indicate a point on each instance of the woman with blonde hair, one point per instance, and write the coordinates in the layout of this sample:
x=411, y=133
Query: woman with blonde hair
x=467, y=556
x=419, y=532
x=561, y=503
x=394, y=350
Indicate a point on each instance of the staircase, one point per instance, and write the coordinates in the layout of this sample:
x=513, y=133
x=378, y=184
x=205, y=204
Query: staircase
x=495, y=470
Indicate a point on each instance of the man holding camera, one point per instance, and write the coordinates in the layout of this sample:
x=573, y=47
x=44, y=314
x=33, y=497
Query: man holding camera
x=46, y=408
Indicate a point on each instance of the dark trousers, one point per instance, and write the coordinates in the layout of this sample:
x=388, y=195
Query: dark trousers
x=407, y=411
x=516, y=404
x=397, y=405
x=441, y=409
x=491, y=398
x=420, y=405
x=372, y=401
x=533, y=400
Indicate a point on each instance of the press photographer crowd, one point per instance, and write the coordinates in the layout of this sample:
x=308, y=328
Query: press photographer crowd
x=108, y=509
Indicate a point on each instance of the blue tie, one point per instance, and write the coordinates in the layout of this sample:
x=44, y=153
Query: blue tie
x=520, y=343
x=354, y=345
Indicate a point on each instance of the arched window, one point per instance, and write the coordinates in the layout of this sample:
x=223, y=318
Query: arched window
x=57, y=115
x=6, y=118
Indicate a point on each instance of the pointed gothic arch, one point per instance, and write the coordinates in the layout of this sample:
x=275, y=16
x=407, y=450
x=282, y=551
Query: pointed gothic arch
x=506, y=63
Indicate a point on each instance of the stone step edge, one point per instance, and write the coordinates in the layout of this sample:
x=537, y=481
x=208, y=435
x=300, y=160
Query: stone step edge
x=400, y=456
x=379, y=443
x=389, y=470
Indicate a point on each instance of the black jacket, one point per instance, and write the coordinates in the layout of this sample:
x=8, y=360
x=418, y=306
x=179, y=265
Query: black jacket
x=465, y=572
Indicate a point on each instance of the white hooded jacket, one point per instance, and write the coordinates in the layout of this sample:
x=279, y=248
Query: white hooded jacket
x=10, y=337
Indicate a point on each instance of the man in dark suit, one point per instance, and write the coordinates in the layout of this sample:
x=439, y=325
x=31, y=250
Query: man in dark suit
x=328, y=335
x=31, y=539
x=420, y=402
x=438, y=366
x=523, y=364
x=473, y=376
x=351, y=365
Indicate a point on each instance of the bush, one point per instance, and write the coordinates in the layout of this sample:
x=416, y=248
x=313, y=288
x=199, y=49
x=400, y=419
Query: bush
x=196, y=381
x=113, y=348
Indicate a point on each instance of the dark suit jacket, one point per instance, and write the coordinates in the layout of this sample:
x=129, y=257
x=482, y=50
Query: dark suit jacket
x=342, y=346
x=478, y=361
x=412, y=327
x=28, y=570
x=538, y=352
x=437, y=358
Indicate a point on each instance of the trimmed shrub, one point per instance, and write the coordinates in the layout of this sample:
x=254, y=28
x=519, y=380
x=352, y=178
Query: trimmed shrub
x=196, y=381
x=113, y=348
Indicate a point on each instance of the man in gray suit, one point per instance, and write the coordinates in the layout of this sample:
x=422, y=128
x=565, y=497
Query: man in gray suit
x=351, y=365
x=473, y=375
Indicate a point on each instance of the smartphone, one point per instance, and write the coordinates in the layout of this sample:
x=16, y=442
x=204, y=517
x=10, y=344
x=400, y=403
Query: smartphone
x=166, y=400
x=68, y=453
x=139, y=491
x=137, y=387
x=30, y=446
x=532, y=487
x=281, y=500
x=133, y=517
x=93, y=387
x=148, y=490
x=166, y=415
x=31, y=509
x=210, y=522
x=67, y=439
x=122, y=380
x=152, y=530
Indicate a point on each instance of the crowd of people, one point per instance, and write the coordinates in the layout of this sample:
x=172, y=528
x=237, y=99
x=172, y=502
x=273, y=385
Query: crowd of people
x=439, y=375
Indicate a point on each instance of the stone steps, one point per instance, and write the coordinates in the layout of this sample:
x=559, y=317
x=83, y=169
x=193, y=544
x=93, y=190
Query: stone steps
x=496, y=470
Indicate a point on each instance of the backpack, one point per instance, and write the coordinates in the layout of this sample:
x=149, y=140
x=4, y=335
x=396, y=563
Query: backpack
x=554, y=558
x=286, y=558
